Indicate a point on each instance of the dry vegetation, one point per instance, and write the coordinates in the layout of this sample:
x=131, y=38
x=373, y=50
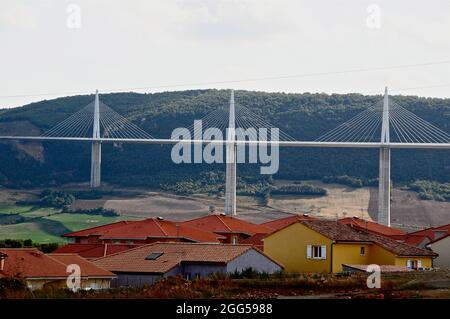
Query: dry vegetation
x=411, y=285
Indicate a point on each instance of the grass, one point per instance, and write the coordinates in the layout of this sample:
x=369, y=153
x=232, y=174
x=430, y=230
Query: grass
x=28, y=231
x=46, y=225
x=14, y=209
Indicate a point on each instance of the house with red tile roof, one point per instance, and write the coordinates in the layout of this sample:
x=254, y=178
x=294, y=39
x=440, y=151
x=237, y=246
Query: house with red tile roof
x=146, y=264
x=422, y=238
x=39, y=270
x=325, y=246
x=144, y=232
x=93, y=251
x=233, y=229
x=91, y=235
x=257, y=239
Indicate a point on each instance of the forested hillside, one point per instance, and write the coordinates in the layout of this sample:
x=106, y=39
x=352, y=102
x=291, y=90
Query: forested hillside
x=303, y=116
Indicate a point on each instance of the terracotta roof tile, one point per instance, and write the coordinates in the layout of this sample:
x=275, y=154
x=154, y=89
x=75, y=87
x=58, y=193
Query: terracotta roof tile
x=97, y=231
x=173, y=254
x=91, y=251
x=283, y=222
x=31, y=263
x=255, y=240
x=154, y=228
x=370, y=226
x=88, y=269
x=221, y=224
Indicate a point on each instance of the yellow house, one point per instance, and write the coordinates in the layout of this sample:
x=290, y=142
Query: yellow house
x=322, y=246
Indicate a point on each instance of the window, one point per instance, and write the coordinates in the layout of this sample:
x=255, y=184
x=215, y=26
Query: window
x=197, y=276
x=188, y=276
x=413, y=264
x=154, y=256
x=362, y=251
x=316, y=252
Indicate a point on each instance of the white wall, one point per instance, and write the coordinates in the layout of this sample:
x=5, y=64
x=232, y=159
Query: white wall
x=442, y=247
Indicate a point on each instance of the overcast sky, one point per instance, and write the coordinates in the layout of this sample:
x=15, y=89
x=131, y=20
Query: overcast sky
x=46, y=47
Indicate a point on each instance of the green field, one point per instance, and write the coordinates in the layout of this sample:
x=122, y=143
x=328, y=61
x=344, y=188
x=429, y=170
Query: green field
x=47, y=224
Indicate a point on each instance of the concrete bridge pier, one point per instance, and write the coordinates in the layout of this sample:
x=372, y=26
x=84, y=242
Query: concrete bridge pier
x=96, y=155
x=230, y=184
x=96, y=161
x=384, y=187
x=384, y=181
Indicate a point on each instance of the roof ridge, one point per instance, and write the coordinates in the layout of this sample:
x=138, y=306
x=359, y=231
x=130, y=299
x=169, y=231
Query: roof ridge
x=159, y=226
x=124, y=251
x=223, y=223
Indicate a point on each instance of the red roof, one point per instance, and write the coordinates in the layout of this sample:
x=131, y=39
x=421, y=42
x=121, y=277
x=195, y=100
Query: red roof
x=154, y=228
x=431, y=234
x=370, y=226
x=31, y=263
x=222, y=224
x=255, y=240
x=438, y=239
x=169, y=255
x=88, y=269
x=97, y=231
x=90, y=251
x=285, y=221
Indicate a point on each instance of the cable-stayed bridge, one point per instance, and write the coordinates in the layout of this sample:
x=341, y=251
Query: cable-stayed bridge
x=385, y=126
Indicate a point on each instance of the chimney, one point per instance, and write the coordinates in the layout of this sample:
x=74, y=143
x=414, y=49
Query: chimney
x=2, y=261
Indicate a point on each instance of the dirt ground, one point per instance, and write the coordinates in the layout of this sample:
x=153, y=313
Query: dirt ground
x=407, y=210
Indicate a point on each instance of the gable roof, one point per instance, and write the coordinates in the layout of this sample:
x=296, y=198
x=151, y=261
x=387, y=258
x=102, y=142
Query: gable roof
x=154, y=228
x=88, y=269
x=147, y=228
x=255, y=240
x=283, y=222
x=98, y=230
x=173, y=254
x=91, y=251
x=438, y=239
x=370, y=226
x=32, y=263
x=424, y=236
x=222, y=224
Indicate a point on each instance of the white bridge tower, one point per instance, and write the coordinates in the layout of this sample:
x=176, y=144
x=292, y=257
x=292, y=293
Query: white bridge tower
x=230, y=185
x=384, y=182
x=96, y=155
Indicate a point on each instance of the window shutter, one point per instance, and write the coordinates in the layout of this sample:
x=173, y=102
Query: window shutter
x=324, y=251
x=308, y=251
x=419, y=264
x=409, y=264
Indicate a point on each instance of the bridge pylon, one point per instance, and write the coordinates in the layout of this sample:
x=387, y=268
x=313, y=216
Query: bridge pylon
x=230, y=184
x=384, y=181
x=96, y=154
